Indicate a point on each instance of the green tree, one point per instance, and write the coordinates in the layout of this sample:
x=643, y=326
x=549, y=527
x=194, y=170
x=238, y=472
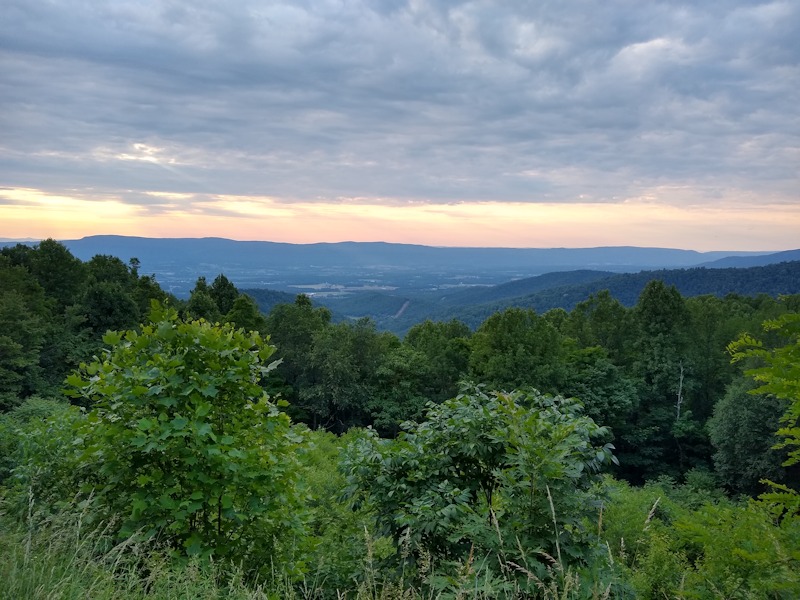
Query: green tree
x=445, y=346
x=224, y=293
x=292, y=328
x=108, y=305
x=610, y=397
x=21, y=339
x=24, y=317
x=183, y=440
x=244, y=313
x=60, y=274
x=779, y=375
x=742, y=430
x=103, y=267
x=517, y=348
x=714, y=322
x=201, y=304
x=343, y=364
x=401, y=389
x=601, y=320
x=664, y=434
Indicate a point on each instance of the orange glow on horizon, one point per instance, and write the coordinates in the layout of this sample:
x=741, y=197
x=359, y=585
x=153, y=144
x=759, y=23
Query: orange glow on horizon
x=28, y=213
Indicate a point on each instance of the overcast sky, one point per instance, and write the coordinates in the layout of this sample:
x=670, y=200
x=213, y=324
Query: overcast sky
x=495, y=123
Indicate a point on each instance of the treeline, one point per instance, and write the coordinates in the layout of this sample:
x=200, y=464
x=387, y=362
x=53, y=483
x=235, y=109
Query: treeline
x=55, y=308
x=657, y=374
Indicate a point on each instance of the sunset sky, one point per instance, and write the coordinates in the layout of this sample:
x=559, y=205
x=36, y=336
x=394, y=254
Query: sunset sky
x=485, y=123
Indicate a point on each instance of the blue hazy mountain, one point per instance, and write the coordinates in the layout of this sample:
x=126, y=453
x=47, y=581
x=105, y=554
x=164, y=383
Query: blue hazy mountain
x=753, y=261
x=177, y=262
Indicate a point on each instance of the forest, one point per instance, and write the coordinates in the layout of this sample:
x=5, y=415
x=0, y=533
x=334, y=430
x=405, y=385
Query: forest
x=153, y=447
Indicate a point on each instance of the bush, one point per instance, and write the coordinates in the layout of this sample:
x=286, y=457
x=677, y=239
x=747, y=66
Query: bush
x=39, y=462
x=185, y=443
x=716, y=550
x=507, y=481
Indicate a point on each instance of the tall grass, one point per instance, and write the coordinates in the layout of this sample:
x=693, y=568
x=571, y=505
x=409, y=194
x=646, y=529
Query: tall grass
x=63, y=558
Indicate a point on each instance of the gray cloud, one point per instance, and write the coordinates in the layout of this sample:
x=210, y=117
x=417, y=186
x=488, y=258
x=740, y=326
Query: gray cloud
x=439, y=101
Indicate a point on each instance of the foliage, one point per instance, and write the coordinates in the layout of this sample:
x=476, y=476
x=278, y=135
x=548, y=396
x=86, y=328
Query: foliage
x=517, y=348
x=244, y=314
x=779, y=375
x=506, y=478
x=401, y=389
x=184, y=441
x=608, y=395
x=342, y=366
x=292, y=328
x=742, y=430
x=445, y=347
x=224, y=293
x=339, y=541
x=680, y=542
x=39, y=466
x=601, y=320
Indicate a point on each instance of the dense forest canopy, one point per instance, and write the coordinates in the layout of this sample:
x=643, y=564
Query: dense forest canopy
x=210, y=426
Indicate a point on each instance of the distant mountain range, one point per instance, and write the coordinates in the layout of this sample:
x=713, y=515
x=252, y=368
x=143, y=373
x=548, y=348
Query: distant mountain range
x=219, y=251
x=177, y=262
x=401, y=284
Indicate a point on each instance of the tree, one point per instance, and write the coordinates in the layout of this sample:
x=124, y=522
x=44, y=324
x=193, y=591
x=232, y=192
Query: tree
x=401, y=390
x=108, y=305
x=664, y=435
x=342, y=368
x=103, y=267
x=109, y=300
x=60, y=274
x=607, y=394
x=445, y=346
x=714, y=323
x=21, y=339
x=24, y=314
x=244, y=313
x=779, y=375
x=292, y=328
x=601, y=320
x=224, y=293
x=183, y=440
x=742, y=431
x=517, y=348
x=201, y=305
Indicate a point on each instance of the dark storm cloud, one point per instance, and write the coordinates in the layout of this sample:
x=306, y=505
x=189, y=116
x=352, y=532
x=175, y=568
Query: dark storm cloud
x=441, y=101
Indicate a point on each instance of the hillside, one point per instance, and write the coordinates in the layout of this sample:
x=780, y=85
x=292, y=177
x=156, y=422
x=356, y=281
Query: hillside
x=772, y=280
x=178, y=262
x=474, y=306
x=753, y=261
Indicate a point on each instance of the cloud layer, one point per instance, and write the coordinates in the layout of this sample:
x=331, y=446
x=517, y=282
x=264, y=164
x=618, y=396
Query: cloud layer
x=171, y=103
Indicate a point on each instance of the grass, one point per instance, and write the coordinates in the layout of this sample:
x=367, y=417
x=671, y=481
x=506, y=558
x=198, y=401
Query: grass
x=61, y=558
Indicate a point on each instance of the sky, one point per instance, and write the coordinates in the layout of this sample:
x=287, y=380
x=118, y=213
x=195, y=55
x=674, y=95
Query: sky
x=447, y=123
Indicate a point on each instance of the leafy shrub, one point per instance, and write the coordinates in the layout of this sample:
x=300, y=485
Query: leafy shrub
x=341, y=542
x=184, y=442
x=509, y=481
x=716, y=550
x=39, y=463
